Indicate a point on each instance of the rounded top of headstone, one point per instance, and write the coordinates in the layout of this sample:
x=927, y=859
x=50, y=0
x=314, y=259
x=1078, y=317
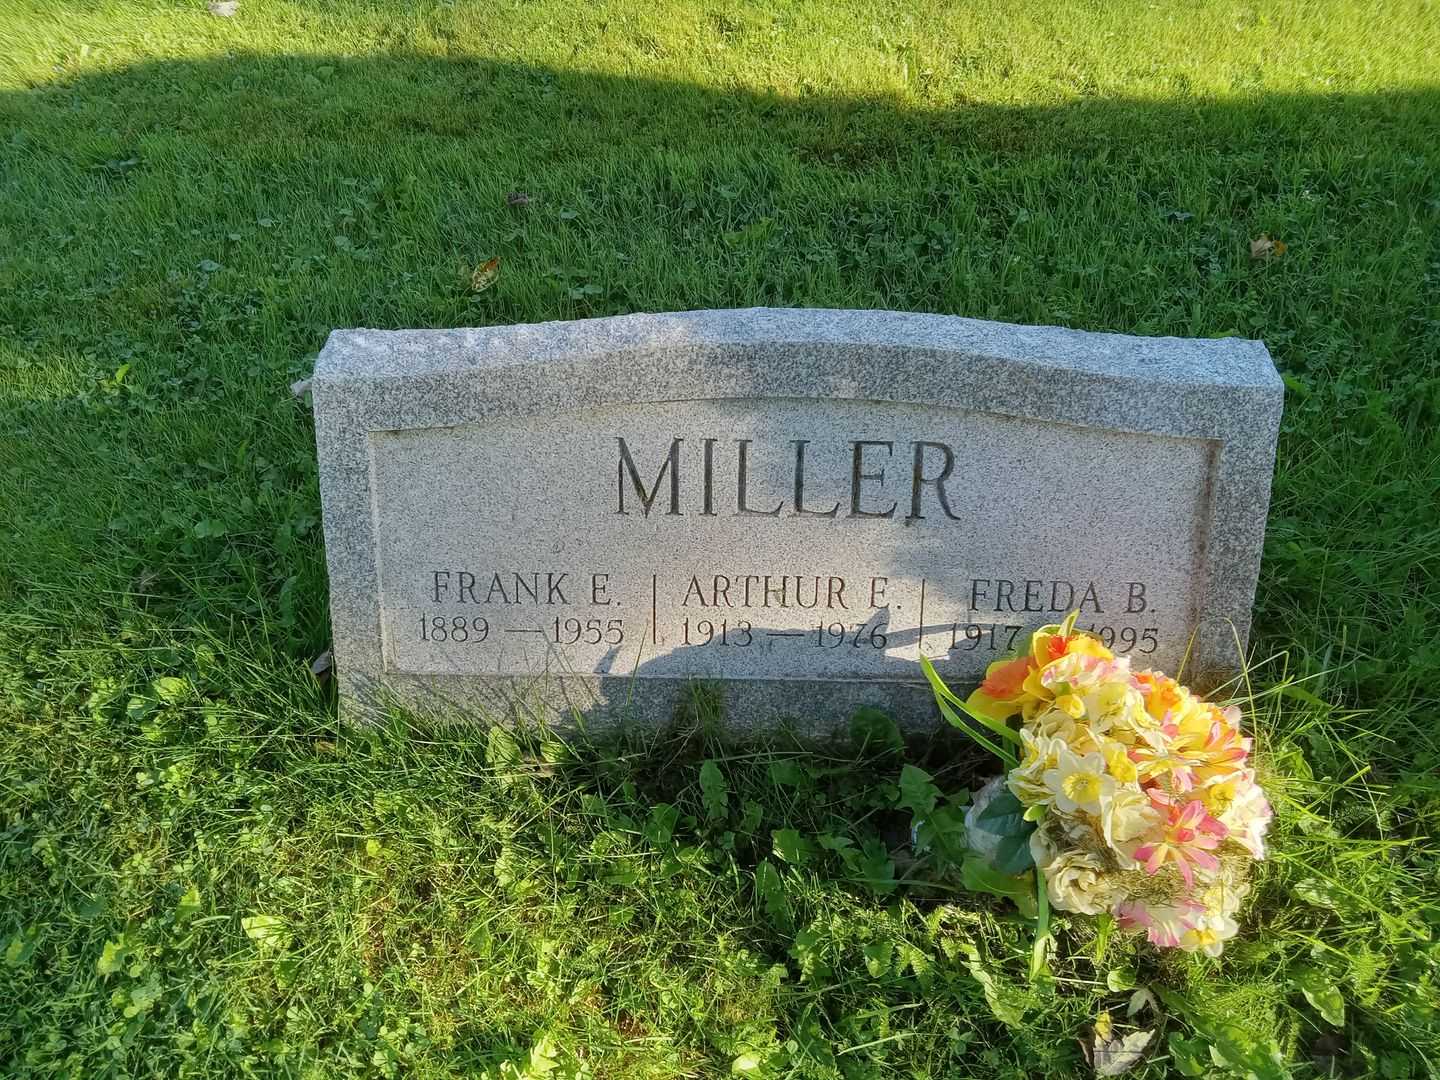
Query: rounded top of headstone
x=815, y=337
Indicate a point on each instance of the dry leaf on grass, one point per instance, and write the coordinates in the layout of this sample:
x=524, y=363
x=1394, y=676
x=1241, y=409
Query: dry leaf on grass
x=1262, y=247
x=1112, y=1057
x=485, y=275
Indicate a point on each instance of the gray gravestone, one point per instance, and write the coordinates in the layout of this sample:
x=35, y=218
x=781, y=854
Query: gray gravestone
x=585, y=517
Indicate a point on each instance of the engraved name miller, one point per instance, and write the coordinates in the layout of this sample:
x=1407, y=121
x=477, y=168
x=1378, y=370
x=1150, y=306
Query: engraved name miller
x=931, y=466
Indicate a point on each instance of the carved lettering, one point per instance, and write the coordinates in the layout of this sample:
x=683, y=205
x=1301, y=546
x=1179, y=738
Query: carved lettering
x=857, y=476
x=708, y=487
x=919, y=480
x=743, y=479
x=877, y=592
x=647, y=498
x=496, y=586
x=555, y=580
x=467, y=588
x=800, y=510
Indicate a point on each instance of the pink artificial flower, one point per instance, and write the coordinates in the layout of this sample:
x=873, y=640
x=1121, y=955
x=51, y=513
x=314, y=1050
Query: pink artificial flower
x=1190, y=835
x=1214, y=751
x=1165, y=924
x=1154, y=762
x=1190, y=755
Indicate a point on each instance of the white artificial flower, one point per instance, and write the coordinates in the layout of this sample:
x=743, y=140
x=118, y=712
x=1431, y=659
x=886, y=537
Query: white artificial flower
x=1126, y=816
x=1248, y=815
x=1209, y=933
x=1080, y=881
x=1078, y=783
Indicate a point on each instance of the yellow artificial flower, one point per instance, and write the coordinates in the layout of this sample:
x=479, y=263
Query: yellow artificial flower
x=1056, y=724
x=1117, y=760
x=1027, y=780
x=1014, y=686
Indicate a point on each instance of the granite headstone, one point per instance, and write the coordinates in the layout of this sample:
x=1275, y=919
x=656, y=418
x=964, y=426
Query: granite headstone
x=791, y=506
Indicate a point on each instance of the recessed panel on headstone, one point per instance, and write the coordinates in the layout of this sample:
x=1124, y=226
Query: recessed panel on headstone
x=792, y=506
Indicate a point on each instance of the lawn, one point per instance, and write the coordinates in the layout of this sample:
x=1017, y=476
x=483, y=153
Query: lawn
x=202, y=874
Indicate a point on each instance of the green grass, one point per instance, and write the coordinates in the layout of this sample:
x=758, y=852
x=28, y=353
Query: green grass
x=188, y=204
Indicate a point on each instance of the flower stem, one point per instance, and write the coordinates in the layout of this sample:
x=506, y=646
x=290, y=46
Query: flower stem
x=1042, y=926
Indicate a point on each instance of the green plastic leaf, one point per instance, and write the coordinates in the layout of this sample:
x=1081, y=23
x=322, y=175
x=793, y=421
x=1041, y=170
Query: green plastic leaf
x=970, y=721
x=1003, y=813
x=714, y=791
x=1003, y=819
x=979, y=876
x=917, y=793
x=1013, y=855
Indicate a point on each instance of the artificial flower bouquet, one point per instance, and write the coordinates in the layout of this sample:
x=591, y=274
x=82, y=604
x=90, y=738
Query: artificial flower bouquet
x=1137, y=795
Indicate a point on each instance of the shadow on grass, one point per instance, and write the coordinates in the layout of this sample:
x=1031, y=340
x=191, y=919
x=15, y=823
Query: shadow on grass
x=182, y=235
